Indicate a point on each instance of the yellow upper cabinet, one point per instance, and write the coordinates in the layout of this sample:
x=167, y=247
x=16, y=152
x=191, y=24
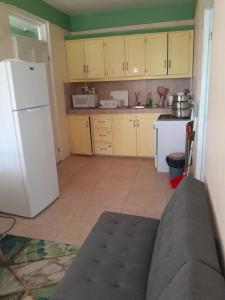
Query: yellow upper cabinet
x=94, y=51
x=139, y=56
x=135, y=46
x=157, y=54
x=76, y=59
x=180, y=53
x=85, y=59
x=115, y=57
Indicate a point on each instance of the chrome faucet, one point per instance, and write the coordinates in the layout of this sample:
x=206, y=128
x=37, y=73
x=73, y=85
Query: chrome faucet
x=137, y=102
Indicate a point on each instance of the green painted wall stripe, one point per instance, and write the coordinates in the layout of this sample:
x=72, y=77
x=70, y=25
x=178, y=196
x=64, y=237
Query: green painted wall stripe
x=132, y=16
x=195, y=6
x=115, y=18
x=42, y=10
x=106, y=34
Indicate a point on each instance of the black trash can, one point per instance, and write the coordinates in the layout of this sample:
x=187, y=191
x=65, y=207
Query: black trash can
x=176, y=163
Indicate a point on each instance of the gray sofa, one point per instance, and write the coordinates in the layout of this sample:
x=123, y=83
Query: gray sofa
x=135, y=258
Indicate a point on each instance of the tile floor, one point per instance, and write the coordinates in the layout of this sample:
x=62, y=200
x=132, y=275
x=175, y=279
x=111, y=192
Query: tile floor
x=91, y=185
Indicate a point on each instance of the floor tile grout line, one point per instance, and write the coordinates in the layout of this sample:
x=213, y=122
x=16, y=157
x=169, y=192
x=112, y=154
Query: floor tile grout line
x=125, y=200
x=76, y=171
x=95, y=185
x=102, y=168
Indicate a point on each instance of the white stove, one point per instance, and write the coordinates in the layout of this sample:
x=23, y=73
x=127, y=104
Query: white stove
x=170, y=133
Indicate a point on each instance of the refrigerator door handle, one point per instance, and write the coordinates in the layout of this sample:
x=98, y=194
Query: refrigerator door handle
x=34, y=108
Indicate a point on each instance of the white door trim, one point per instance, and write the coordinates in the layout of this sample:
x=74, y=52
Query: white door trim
x=203, y=106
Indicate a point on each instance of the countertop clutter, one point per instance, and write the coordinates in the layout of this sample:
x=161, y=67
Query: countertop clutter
x=118, y=102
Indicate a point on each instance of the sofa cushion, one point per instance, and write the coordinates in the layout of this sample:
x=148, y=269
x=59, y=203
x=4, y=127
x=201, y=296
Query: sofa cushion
x=195, y=281
x=114, y=261
x=184, y=234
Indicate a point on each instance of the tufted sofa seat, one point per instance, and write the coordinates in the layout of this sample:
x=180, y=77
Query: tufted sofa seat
x=114, y=261
x=133, y=258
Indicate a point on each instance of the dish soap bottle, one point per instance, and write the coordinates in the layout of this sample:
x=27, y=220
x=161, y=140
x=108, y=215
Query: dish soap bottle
x=149, y=100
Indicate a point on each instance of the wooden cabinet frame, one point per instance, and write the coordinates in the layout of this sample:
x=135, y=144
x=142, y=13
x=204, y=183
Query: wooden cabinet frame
x=123, y=71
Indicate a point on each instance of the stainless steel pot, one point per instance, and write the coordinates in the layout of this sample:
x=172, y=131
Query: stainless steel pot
x=181, y=105
x=181, y=113
x=181, y=98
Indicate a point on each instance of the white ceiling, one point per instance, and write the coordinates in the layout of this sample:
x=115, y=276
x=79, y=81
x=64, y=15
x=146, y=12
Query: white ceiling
x=73, y=7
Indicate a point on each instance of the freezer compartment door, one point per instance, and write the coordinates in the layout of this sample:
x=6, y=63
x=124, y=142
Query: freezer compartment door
x=36, y=148
x=28, y=84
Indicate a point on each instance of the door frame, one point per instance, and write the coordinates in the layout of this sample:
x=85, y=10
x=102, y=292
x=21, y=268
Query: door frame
x=203, y=106
x=45, y=38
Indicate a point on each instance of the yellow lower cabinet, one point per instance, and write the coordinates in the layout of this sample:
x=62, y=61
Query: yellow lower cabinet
x=80, y=135
x=124, y=135
x=146, y=135
x=102, y=121
x=103, y=135
x=103, y=148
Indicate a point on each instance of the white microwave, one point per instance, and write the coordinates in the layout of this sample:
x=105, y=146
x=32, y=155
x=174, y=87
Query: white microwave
x=85, y=101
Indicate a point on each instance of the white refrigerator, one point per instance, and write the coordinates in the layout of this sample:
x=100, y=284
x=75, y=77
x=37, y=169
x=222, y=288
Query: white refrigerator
x=28, y=174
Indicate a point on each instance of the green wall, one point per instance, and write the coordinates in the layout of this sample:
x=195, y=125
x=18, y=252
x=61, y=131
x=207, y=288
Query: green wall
x=134, y=15
x=180, y=10
x=42, y=10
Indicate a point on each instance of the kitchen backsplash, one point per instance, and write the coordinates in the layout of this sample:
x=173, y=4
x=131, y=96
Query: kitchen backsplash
x=143, y=86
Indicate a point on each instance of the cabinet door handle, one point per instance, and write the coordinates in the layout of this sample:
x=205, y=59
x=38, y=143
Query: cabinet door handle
x=87, y=124
x=170, y=63
x=165, y=64
x=138, y=123
x=84, y=69
x=87, y=69
x=123, y=66
x=134, y=124
x=127, y=66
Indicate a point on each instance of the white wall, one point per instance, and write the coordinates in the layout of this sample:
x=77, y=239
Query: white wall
x=6, y=50
x=214, y=172
x=197, y=72
x=198, y=48
x=60, y=74
x=59, y=68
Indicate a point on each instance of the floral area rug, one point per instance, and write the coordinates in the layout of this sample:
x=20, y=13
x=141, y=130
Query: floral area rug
x=32, y=268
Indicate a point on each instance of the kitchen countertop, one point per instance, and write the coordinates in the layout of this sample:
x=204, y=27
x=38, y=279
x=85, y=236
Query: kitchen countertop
x=92, y=111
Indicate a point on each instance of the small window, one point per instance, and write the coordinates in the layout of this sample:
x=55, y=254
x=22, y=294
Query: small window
x=20, y=26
